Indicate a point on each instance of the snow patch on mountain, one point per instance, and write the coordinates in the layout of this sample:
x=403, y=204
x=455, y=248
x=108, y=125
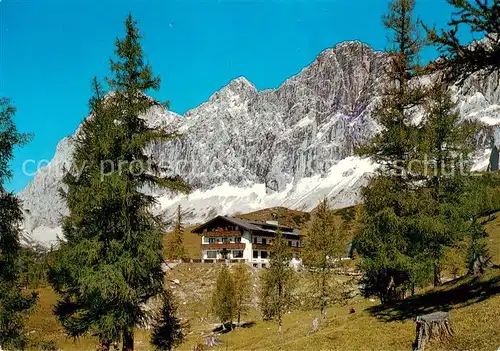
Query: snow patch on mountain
x=244, y=149
x=338, y=185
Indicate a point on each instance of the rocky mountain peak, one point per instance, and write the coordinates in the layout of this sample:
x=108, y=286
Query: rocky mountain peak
x=244, y=150
x=240, y=85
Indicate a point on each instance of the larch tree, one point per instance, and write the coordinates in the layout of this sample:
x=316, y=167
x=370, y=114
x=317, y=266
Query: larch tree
x=167, y=330
x=480, y=204
x=390, y=252
x=325, y=245
x=243, y=290
x=14, y=303
x=447, y=144
x=175, y=249
x=277, y=281
x=460, y=60
x=111, y=261
x=223, y=297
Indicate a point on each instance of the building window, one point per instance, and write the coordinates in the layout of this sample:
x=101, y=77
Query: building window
x=289, y=243
x=264, y=241
x=211, y=240
x=211, y=254
x=206, y=240
x=254, y=240
x=256, y=254
x=238, y=254
x=224, y=240
x=263, y=254
x=237, y=240
x=263, y=265
x=298, y=243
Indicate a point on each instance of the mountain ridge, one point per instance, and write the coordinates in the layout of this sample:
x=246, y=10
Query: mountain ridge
x=244, y=150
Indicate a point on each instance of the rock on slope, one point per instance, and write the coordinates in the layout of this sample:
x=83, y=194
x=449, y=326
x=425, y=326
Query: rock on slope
x=244, y=150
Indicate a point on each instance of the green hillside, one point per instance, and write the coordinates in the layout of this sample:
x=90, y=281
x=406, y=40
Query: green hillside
x=474, y=304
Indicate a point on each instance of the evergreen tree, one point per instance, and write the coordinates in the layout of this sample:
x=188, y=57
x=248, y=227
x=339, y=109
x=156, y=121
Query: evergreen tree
x=111, y=261
x=478, y=255
x=167, y=331
x=175, y=249
x=277, y=281
x=460, y=60
x=223, y=297
x=390, y=249
x=447, y=145
x=242, y=290
x=33, y=265
x=14, y=304
x=325, y=245
x=480, y=205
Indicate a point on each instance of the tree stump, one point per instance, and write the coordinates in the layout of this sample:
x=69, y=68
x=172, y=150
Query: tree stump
x=434, y=326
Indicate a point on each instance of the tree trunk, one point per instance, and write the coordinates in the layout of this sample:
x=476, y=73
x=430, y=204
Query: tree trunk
x=280, y=323
x=323, y=297
x=280, y=317
x=477, y=265
x=128, y=340
x=239, y=318
x=437, y=274
x=434, y=326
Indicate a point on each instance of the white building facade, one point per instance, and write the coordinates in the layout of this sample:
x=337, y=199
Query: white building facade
x=239, y=240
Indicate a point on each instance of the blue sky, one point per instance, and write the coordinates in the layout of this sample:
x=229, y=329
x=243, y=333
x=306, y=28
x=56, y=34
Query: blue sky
x=51, y=49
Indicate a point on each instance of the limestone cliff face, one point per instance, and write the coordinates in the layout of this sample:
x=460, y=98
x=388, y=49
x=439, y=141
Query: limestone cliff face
x=245, y=149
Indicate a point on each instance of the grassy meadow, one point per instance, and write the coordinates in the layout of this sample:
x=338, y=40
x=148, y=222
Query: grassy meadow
x=474, y=304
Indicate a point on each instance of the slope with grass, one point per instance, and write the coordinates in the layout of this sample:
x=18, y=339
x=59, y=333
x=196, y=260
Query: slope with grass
x=474, y=304
x=192, y=242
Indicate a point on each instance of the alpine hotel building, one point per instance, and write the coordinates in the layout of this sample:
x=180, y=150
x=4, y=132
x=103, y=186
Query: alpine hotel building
x=243, y=240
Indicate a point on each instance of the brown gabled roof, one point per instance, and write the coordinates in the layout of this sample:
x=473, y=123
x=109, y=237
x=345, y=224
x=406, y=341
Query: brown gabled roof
x=243, y=223
x=246, y=224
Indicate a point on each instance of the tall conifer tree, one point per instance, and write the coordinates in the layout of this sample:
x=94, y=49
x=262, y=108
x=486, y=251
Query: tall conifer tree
x=175, y=249
x=223, y=297
x=325, y=245
x=388, y=248
x=167, y=330
x=243, y=290
x=447, y=144
x=460, y=60
x=277, y=281
x=111, y=261
x=14, y=304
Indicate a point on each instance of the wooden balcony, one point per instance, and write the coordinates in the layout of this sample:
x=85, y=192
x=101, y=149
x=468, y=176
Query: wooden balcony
x=228, y=246
x=222, y=234
x=261, y=247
